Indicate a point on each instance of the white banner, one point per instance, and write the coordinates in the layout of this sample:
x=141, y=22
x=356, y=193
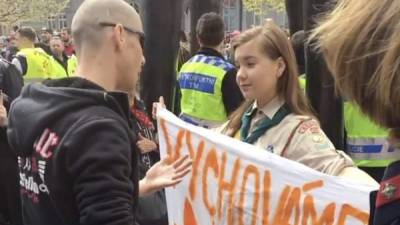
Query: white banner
x=234, y=183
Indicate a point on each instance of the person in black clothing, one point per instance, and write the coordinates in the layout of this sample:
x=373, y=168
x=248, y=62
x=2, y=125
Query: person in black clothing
x=46, y=35
x=298, y=40
x=77, y=154
x=46, y=48
x=10, y=206
x=11, y=49
x=3, y=47
x=45, y=38
x=360, y=41
x=152, y=209
x=207, y=97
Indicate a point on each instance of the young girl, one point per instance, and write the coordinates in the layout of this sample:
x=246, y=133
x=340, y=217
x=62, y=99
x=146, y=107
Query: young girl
x=276, y=115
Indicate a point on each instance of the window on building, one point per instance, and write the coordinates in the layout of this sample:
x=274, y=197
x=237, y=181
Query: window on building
x=62, y=21
x=230, y=3
x=51, y=22
x=227, y=21
x=57, y=22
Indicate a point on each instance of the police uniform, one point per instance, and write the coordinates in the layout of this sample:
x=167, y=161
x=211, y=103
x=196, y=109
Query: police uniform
x=295, y=137
x=208, y=89
x=385, y=203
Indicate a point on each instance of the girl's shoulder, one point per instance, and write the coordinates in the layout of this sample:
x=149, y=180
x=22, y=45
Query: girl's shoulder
x=294, y=120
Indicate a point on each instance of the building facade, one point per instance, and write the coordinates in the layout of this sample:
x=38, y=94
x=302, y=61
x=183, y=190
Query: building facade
x=63, y=19
x=231, y=14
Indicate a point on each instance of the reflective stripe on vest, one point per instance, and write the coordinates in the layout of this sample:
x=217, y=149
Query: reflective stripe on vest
x=366, y=142
x=39, y=64
x=34, y=80
x=72, y=64
x=371, y=149
x=200, y=81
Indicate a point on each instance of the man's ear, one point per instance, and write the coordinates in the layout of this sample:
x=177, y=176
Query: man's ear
x=118, y=36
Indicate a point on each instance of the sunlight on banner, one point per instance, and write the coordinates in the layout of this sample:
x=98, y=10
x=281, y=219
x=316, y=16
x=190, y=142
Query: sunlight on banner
x=234, y=183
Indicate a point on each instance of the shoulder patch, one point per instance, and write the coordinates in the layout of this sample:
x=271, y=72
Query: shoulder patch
x=311, y=126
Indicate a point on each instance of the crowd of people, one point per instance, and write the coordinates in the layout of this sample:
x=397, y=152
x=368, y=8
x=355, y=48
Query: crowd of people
x=51, y=55
x=78, y=145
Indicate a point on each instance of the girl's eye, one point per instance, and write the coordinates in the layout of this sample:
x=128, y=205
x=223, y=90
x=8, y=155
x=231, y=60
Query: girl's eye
x=250, y=64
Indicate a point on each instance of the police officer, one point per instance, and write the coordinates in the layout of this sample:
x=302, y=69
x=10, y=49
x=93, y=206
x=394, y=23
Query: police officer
x=367, y=143
x=207, y=81
x=33, y=63
x=360, y=42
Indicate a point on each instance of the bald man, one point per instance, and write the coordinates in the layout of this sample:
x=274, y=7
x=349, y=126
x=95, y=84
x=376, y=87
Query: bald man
x=76, y=151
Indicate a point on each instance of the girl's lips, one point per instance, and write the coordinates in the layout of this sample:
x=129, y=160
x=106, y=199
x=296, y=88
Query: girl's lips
x=245, y=85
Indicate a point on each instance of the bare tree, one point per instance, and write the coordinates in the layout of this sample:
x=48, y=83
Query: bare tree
x=259, y=7
x=13, y=11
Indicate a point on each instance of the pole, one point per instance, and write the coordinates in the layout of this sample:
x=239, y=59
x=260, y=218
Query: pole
x=162, y=20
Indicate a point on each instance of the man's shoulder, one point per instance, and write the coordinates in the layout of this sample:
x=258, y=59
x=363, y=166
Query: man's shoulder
x=97, y=113
x=92, y=120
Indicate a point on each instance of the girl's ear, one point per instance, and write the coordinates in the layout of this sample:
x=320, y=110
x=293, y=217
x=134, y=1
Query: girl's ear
x=281, y=67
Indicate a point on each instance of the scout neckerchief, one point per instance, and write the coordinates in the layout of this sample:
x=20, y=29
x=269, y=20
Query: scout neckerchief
x=262, y=127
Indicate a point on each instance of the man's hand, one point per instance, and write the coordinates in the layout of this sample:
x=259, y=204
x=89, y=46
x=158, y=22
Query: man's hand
x=3, y=112
x=146, y=145
x=165, y=174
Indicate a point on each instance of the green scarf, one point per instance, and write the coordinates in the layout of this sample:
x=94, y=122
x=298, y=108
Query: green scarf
x=264, y=125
